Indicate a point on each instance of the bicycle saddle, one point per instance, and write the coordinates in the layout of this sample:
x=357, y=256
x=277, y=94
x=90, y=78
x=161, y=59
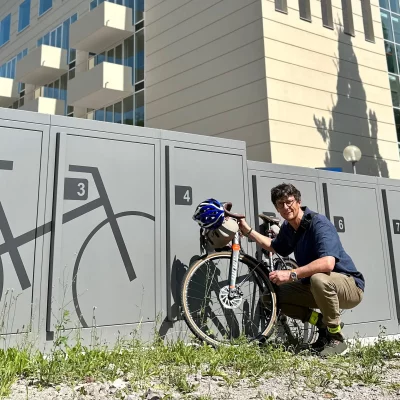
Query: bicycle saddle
x=269, y=220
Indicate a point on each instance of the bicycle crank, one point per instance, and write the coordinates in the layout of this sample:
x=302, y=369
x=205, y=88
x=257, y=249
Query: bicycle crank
x=230, y=301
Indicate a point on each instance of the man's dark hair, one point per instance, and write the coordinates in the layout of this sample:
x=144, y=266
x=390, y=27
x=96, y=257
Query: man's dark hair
x=283, y=191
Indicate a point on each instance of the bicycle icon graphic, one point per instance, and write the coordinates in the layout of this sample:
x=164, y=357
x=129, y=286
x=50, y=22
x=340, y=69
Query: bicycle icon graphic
x=74, y=189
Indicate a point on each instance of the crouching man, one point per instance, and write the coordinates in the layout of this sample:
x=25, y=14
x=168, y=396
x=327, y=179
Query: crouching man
x=326, y=279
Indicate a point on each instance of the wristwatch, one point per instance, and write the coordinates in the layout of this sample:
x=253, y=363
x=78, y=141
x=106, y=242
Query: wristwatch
x=293, y=275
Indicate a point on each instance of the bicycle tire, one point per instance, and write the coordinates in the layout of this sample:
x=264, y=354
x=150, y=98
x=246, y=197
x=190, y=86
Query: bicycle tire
x=261, y=280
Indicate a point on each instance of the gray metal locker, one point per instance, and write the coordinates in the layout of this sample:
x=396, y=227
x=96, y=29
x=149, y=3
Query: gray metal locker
x=105, y=244
x=390, y=192
x=196, y=168
x=353, y=204
x=22, y=168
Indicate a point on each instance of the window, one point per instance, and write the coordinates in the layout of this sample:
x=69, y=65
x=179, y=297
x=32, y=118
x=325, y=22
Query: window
x=386, y=26
x=139, y=108
x=24, y=15
x=391, y=58
x=395, y=90
x=128, y=111
x=44, y=5
x=394, y=5
x=326, y=10
x=5, y=26
x=305, y=10
x=139, y=56
x=348, y=25
x=367, y=20
x=384, y=4
x=139, y=10
x=281, y=5
x=396, y=28
x=397, y=122
x=7, y=70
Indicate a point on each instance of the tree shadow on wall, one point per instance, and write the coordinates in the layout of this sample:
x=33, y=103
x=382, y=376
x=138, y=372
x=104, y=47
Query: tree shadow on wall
x=364, y=127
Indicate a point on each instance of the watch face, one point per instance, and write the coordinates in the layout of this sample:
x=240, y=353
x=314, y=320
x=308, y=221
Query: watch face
x=293, y=275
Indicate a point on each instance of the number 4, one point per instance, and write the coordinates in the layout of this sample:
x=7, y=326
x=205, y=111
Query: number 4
x=187, y=196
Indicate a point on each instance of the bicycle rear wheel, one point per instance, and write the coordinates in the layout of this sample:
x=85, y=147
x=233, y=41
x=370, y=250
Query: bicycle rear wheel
x=215, y=318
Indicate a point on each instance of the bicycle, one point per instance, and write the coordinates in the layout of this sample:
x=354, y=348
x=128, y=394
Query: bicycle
x=11, y=243
x=246, y=289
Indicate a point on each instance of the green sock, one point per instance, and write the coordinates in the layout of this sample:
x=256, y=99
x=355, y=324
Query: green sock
x=334, y=329
x=314, y=318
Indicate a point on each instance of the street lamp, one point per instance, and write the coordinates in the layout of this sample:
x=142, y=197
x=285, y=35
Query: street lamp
x=352, y=154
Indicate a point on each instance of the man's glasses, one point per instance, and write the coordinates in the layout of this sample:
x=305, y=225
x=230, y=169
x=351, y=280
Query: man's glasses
x=281, y=204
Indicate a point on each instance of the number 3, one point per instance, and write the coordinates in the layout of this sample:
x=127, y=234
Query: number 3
x=187, y=196
x=82, y=190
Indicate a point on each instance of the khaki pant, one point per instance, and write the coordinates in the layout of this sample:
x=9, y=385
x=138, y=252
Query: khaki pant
x=328, y=292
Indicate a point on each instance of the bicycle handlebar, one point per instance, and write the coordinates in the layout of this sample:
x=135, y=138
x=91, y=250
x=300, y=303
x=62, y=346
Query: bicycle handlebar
x=227, y=209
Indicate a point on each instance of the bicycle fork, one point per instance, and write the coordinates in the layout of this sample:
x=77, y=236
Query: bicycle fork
x=233, y=266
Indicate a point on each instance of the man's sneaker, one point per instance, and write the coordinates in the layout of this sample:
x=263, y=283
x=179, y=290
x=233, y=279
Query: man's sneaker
x=335, y=345
x=323, y=339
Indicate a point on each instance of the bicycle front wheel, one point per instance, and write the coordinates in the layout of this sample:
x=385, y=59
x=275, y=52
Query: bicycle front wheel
x=217, y=319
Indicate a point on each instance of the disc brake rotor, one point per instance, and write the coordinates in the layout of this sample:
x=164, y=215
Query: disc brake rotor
x=233, y=302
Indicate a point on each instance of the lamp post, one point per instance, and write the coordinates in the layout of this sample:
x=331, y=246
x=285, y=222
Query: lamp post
x=352, y=154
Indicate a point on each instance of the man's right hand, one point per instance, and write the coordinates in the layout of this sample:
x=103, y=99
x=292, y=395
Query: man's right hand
x=243, y=226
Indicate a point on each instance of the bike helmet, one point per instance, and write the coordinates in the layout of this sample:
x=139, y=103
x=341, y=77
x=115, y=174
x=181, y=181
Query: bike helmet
x=221, y=237
x=209, y=214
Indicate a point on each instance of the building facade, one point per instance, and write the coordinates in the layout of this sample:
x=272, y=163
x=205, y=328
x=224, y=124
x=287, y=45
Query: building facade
x=298, y=80
x=76, y=58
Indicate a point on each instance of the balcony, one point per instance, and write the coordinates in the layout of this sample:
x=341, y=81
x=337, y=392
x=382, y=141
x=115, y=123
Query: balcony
x=8, y=91
x=44, y=105
x=43, y=65
x=101, y=28
x=104, y=84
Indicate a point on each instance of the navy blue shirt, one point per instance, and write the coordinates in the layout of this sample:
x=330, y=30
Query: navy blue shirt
x=317, y=238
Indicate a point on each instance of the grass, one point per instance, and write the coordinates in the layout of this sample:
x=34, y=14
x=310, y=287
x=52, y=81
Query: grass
x=167, y=365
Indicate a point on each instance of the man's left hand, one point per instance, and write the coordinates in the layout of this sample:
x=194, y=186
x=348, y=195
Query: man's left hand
x=279, y=277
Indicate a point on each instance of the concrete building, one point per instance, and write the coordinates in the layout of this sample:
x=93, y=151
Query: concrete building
x=299, y=80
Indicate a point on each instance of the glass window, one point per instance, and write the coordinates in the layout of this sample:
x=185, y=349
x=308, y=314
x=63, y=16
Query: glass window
x=139, y=56
x=44, y=5
x=74, y=18
x=118, y=55
x=128, y=110
x=46, y=38
x=71, y=74
x=57, y=89
x=110, y=56
x=65, y=35
x=109, y=114
x=128, y=52
x=5, y=27
x=24, y=15
x=63, y=87
x=93, y=5
x=139, y=10
x=384, y=4
x=120, y=2
x=394, y=89
x=59, y=37
x=118, y=112
x=394, y=5
x=39, y=42
x=396, y=28
x=13, y=67
x=386, y=26
x=391, y=57
x=53, y=38
x=99, y=115
x=397, y=122
x=139, y=108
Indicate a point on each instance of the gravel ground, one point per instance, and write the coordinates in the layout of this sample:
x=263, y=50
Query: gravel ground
x=216, y=388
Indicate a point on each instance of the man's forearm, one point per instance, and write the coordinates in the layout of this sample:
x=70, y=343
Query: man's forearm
x=263, y=241
x=324, y=265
